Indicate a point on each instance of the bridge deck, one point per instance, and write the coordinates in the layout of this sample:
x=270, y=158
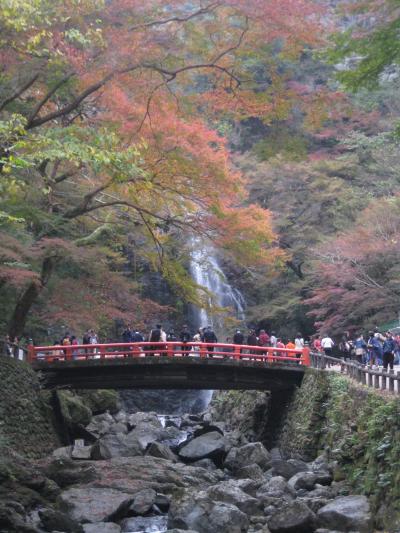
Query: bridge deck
x=170, y=365
x=165, y=373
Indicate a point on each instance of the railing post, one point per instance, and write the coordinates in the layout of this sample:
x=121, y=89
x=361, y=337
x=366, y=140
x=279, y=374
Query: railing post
x=203, y=351
x=31, y=353
x=68, y=352
x=398, y=382
x=391, y=380
x=102, y=352
x=170, y=350
x=363, y=376
x=369, y=378
x=306, y=356
x=236, y=352
x=377, y=384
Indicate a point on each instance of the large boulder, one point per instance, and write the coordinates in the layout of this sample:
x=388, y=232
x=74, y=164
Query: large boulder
x=143, y=501
x=287, y=469
x=101, y=400
x=100, y=425
x=92, y=504
x=294, y=517
x=210, y=445
x=230, y=492
x=52, y=520
x=347, y=513
x=72, y=409
x=66, y=472
x=157, y=449
x=276, y=487
x=252, y=453
x=303, y=480
x=251, y=472
x=205, y=516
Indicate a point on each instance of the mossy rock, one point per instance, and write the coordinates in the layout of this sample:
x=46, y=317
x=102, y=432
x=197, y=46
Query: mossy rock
x=73, y=410
x=100, y=401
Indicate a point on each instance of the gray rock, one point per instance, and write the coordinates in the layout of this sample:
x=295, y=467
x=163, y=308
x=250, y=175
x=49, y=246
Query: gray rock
x=100, y=424
x=303, y=480
x=229, y=492
x=117, y=445
x=157, y=449
x=162, y=502
x=208, y=464
x=81, y=452
x=276, y=487
x=347, y=513
x=143, y=501
x=314, y=504
x=102, y=527
x=144, y=523
x=68, y=472
x=52, y=520
x=91, y=504
x=252, y=453
x=118, y=427
x=210, y=445
x=140, y=419
x=100, y=451
x=250, y=472
x=287, y=469
x=204, y=516
x=207, y=428
x=121, y=416
x=323, y=477
x=62, y=453
x=294, y=517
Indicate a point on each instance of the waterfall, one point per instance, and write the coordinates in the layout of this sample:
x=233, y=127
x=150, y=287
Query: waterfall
x=207, y=273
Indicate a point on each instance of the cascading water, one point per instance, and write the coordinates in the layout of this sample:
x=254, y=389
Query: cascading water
x=207, y=273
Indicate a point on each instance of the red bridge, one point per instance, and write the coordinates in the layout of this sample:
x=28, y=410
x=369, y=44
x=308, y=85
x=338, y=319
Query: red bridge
x=169, y=365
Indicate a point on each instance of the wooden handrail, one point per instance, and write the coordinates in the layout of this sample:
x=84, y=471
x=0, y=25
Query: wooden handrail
x=169, y=349
x=374, y=378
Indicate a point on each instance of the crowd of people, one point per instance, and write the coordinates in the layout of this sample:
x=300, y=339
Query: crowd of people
x=207, y=335
x=376, y=349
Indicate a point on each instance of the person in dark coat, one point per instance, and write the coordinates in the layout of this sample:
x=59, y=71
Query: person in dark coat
x=209, y=337
x=238, y=337
x=252, y=340
x=185, y=337
x=127, y=334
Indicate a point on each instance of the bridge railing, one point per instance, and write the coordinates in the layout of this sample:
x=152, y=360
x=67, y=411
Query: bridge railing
x=82, y=352
x=364, y=374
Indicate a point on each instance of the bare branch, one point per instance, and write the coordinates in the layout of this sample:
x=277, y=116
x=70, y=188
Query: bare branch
x=199, y=12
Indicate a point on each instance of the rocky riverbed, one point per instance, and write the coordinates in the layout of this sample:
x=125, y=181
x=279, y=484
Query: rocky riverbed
x=142, y=472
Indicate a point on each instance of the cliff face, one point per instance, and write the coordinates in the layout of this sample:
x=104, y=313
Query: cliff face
x=25, y=415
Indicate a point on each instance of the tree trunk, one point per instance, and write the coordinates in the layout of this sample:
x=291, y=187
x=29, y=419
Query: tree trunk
x=28, y=298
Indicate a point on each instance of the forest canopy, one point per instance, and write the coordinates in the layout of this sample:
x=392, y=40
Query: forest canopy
x=130, y=129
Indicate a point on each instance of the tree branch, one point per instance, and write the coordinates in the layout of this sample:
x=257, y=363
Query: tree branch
x=20, y=91
x=46, y=98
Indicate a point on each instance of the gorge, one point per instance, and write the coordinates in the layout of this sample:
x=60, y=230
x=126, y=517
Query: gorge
x=90, y=462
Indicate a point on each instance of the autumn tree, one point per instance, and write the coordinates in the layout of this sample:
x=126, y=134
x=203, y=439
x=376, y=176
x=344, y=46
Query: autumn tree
x=356, y=278
x=109, y=114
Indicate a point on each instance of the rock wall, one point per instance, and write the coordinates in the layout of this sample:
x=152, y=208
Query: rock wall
x=303, y=426
x=358, y=429
x=26, y=425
